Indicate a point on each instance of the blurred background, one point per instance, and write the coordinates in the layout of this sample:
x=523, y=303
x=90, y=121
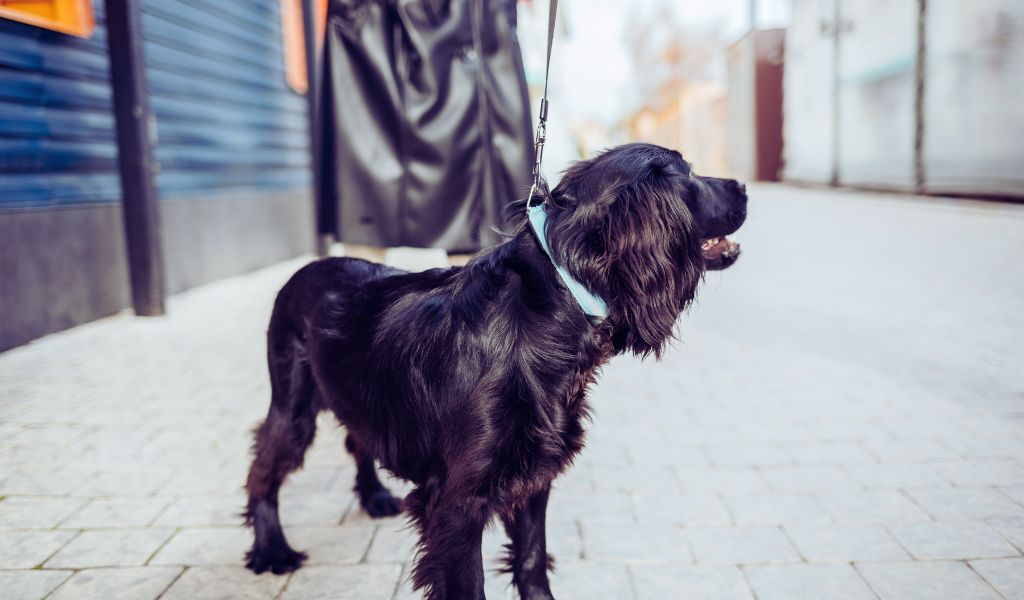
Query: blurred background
x=897, y=95
x=843, y=416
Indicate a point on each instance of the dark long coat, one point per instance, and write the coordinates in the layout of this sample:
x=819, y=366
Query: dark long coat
x=425, y=130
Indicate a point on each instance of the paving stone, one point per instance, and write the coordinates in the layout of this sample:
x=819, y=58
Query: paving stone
x=25, y=549
x=654, y=582
x=693, y=583
x=747, y=455
x=357, y=582
x=206, y=546
x=638, y=479
x=30, y=584
x=809, y=479
x=740, y=545
x=110, y=548
x=48, y=435
x=586, y=580
x=828, y=453
x=910, y=450
x=697, y=480
x=576, y=479
x=988, y=446
x=984, y=472
x=393, y=543
x=634, y=543
x=338, y=545
x=132, y=583
x=844, y=543
x=613, y=506
x=691, y=510
x=204, y=481
x=47, y=481
x=1015, y=492
x=123, y=483
x=31, y=512
x=959, y=540
x=199, y=511
x=321, y=508
x=774, y=509
x=1012, y=530
x=1005, y=575
x=892, y=476
x=966, y=503
x=117, y=512
x=21, y=457
x=872, y=507
x=925, y=581
x=327, y=476
x=224, y=583
x=807, y=582
x=674, y=456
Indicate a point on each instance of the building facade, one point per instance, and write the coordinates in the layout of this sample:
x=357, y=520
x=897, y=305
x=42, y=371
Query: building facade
x=229, y=131
x=906, y=95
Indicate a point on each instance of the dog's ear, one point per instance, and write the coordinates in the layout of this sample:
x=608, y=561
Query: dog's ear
x=633, y=242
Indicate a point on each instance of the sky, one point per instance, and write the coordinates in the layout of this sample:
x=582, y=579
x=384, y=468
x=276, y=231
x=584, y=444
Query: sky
x=594, y=71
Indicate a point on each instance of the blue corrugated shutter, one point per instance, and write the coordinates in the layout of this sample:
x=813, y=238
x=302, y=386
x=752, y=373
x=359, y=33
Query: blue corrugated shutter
x=57, y=140
x=226, y=119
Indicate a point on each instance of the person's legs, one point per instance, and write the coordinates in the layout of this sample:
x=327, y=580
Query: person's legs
x=371, y=253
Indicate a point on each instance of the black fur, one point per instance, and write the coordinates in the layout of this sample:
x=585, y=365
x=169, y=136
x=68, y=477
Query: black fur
x=471, y=382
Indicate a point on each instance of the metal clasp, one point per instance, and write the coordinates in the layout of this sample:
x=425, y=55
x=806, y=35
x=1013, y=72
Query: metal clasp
x=538, y=147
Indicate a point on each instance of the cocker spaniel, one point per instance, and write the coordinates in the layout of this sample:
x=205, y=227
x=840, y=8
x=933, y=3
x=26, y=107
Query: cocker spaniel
x=471, y=382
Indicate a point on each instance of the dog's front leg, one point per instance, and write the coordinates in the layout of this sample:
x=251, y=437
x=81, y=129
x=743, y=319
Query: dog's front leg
x=528, y=558
x=450, y=564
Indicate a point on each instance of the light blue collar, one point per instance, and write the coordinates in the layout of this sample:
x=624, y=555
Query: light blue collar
x=590, y=302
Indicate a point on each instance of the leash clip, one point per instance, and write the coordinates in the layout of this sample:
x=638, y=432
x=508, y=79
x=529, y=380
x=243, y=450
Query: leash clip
x=542, y=115
x=541, y=138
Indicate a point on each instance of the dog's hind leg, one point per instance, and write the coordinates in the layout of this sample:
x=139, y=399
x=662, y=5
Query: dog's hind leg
x=375, y=499
x=280, y=445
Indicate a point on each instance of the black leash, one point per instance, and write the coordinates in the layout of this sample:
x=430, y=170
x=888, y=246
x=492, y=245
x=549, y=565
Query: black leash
x=542, y=120
x=536, y=214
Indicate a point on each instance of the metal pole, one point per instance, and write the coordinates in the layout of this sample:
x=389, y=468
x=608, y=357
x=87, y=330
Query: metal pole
x=135, y=132
x=919, y=90
x=837, y=31
x=311, y=34
x=752, y=12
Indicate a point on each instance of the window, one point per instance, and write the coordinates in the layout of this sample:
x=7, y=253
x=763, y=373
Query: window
x=74, y=17
x=295, y=40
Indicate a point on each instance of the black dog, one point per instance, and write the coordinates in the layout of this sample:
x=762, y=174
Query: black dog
x=471, y=382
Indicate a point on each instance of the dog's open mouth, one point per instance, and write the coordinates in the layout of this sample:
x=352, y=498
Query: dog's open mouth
x=719, y=252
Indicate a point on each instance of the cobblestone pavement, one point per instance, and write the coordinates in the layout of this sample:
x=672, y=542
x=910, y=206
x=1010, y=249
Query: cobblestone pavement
x=842, y=420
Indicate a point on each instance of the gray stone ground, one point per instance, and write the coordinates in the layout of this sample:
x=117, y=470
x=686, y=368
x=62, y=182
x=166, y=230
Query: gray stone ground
x=843, y=419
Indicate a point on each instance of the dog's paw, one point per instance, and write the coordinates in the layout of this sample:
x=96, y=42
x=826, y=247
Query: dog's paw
x=381, y=504
x=276, y=559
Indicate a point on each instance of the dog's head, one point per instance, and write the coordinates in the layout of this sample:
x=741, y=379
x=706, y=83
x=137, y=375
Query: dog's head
x=639, y=228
